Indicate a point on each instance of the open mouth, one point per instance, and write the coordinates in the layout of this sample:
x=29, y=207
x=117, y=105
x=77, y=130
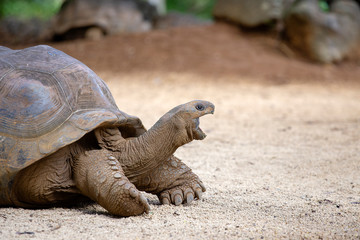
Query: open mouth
x=202, y=108
x=198, y=132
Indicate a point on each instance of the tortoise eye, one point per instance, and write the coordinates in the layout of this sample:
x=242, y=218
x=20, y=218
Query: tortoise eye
x=200, y=107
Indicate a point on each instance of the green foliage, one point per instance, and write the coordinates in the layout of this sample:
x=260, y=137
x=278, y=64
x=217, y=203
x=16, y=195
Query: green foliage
x=200, y=8
x=324, y=5
x=26, y=9
x=44, y=9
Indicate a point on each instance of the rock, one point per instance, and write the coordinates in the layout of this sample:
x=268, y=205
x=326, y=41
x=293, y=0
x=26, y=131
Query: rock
x=324, y=36
x=176, y=19
x=250, y=13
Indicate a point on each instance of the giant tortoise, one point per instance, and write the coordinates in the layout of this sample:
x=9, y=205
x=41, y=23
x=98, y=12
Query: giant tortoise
x=93, y=18
x=63, y=139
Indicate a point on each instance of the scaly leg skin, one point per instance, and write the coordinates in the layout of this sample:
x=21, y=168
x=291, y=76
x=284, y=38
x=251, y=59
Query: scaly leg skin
x=99, y=176
x=172, y=181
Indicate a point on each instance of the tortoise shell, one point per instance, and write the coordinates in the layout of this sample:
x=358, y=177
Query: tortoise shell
x=111, y=16
x=49, y=100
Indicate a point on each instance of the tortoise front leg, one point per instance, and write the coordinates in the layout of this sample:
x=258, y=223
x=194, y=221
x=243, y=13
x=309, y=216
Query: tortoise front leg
x=153, y=169
x=172, y=181
x=99, y=176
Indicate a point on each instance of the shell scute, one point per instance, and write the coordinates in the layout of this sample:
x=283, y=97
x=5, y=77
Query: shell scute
x=39, y=58
x=4, y=69
x=32, y=104
x=86, y=120
x=83, y=88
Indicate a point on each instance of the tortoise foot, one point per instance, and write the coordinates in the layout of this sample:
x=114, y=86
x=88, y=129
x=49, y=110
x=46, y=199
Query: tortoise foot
x=99, y=176
x=172, y=181
x=183, y=194
x=124, y=198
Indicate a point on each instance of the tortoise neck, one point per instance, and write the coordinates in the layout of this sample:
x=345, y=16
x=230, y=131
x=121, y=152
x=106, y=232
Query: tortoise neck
x=146, y=152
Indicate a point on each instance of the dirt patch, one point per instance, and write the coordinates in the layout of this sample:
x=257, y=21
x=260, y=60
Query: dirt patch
x=216, y=50
x=281, y=159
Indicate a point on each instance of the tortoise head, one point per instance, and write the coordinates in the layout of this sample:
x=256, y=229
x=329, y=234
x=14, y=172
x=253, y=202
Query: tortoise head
x=185, y=120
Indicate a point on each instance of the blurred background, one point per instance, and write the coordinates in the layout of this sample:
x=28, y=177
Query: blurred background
x=322, y=30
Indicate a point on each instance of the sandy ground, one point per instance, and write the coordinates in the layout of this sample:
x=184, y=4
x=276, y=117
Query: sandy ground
x=282, y=156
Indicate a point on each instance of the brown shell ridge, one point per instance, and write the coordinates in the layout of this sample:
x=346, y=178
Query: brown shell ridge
x=7, y=73
x=76, y=126
x=58, y=80
x=65, y=134
x=3, y=60
x=61, y=87
x=39, y=71
x=107, y=116
x=58, y=69
x=68, y=132
x=11, y=69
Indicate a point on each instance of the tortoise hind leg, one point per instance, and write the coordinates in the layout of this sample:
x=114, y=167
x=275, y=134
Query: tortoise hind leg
x=45, y=183
x=99, y=176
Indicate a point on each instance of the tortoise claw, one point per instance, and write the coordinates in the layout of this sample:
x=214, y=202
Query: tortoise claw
x=198, y=193
x=182, y=194
x=145, y=203
x=189, y=198
x=177, y=197
x=178, y=200
x=165, y=201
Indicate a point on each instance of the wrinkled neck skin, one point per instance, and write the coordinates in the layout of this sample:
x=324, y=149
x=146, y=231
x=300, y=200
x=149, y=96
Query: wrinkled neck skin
x=141, y=154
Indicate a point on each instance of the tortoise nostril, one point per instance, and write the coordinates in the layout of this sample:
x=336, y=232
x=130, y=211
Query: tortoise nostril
x=200, y=107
